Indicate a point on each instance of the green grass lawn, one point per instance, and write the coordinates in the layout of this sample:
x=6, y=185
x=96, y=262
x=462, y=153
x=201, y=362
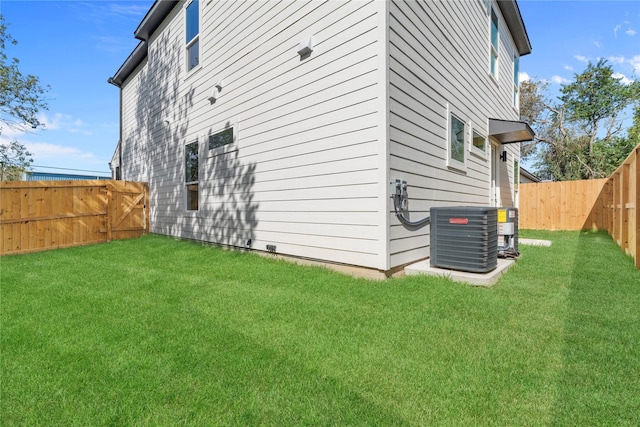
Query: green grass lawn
x=155, y=331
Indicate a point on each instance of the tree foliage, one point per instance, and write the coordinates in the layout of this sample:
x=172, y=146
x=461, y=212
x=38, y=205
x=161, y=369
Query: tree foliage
x=14, y=160
x=21, y=98
x=579, y=135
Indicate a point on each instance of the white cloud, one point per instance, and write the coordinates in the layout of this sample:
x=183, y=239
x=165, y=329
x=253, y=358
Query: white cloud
x=630, y=32
x=568, y=67
x=616, y=29
x=635, y=63
x=623, y=79
x=523, y=77
x=597, y=43
x=559, y=80
x=46, y=153
x=127, y=10
x=617, y=59
x=64, y=123
x=581, y=58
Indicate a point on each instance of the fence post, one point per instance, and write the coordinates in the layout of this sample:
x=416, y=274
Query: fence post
x=109, y=202
x=636, y=202
x=624, y=208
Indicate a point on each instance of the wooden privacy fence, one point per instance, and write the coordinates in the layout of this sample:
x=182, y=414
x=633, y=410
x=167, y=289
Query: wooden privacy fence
x=42, y=215
x=609, y=204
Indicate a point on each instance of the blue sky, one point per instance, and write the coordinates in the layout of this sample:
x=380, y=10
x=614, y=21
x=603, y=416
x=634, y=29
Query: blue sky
x=75, y=46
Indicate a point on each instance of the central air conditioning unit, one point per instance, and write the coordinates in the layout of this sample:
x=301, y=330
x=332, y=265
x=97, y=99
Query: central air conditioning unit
x=464, y=238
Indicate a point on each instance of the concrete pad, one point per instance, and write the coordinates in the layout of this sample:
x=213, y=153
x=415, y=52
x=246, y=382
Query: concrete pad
x=534, y=242
x=476, y=279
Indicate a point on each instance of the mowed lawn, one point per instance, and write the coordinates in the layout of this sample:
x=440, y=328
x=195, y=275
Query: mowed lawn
x=155, y=331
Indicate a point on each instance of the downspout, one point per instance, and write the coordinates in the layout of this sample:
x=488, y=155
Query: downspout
x=119, y=86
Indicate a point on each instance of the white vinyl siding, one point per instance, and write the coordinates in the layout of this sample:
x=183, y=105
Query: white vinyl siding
x=434, y=64
x=303, y=173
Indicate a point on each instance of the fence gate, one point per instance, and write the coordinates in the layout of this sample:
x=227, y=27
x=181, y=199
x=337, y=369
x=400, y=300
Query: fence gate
x=128, y=210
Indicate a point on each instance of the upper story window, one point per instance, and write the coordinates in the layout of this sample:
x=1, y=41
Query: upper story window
x=516, y=83
x=193, y=34
x=494, y=44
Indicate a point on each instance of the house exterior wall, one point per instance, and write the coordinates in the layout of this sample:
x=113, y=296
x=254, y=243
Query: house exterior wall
x=304, y=171
x=439, y=60
x=318, y=139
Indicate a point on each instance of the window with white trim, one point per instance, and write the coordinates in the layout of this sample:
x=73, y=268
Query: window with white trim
x=191, y=175
x=494, y=44
x=222, y=138
x=192, y=22
x=516, y=83
x=457, y=132
x=478, y=143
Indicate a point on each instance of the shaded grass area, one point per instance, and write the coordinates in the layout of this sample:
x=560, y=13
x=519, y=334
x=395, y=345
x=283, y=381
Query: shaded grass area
x=155, y=331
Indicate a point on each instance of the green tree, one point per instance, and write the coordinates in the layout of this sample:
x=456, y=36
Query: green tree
x=14, y=160
x=21, y=98
x=595, y=99
x=579, y=135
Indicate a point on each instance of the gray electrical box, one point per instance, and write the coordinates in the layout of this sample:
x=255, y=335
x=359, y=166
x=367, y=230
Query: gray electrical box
x=507, y=232
x=464, y=238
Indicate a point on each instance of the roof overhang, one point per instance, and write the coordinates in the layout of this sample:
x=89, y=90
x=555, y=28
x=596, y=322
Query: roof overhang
x=510, y=131
x=529, y=175
x=137, y=56
x=513, y=18
x=154, y=17
x=151, y=21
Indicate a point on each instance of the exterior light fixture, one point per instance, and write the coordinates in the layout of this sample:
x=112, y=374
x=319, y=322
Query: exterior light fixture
x=215, y=92
x=306, y=46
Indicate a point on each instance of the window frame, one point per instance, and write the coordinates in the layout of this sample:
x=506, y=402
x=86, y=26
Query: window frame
x=193, y=41
x=226, y=148
x=516, y=82
x=187, y=182
x=452, y=162
x=473, y=149
x=494, y=50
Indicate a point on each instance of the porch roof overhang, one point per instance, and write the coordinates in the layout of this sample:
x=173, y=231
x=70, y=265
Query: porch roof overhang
x=510, y=131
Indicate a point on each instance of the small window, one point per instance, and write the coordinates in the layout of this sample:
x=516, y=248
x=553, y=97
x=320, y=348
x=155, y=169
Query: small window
x=516, y=83
x=494, y=44
x=456, y=139
x=221, y=138
x=479, y=141
x=191, y=175
x=516, y=174
x=192, y=32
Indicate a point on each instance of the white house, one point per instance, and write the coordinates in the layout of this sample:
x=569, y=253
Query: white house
x=283, y=126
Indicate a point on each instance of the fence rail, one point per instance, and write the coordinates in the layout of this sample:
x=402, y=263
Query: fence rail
x=42, y=215
x=609, y=204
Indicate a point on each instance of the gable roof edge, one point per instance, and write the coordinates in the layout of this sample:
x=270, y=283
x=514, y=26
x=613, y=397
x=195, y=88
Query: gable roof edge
x=513, y=18
x=137, y=56
x=154, y=17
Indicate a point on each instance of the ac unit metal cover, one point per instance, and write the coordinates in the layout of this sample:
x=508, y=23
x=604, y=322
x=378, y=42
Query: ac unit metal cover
x=464, y=238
